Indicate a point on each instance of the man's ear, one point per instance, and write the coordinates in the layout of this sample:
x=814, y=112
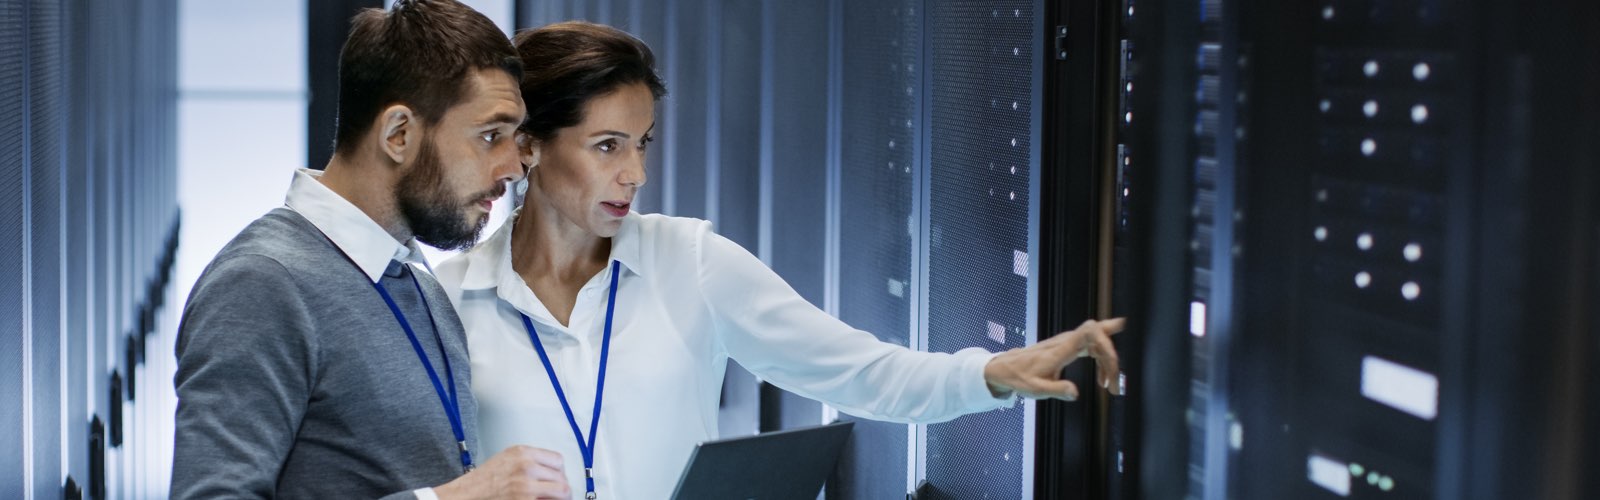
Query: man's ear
x=527, y=149
x=402, y=135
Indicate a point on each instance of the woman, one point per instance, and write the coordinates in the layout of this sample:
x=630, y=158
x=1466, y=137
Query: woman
x=579, y=306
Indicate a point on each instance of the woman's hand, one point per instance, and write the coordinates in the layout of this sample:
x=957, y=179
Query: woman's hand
x=1035, y=371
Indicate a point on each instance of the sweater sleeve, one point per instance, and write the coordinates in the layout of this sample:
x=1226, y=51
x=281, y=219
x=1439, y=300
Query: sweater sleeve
x=245, y=370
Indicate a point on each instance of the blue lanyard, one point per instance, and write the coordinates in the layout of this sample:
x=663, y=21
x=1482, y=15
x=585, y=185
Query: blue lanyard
x=587, y=448
x=452, y=406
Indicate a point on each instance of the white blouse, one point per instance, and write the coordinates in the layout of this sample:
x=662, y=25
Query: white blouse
x=687, y=300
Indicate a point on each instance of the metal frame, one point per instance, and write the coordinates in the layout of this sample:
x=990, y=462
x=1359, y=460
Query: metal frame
x=1079, y=103
x=1036, y=126
x=917, y=434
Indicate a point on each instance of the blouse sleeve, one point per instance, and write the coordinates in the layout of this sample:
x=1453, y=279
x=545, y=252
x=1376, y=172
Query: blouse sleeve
x=779, y=336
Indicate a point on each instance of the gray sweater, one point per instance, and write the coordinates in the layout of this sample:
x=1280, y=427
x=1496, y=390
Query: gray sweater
x=295, y=380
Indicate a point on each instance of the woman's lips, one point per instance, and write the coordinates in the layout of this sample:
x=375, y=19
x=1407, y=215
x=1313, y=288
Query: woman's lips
x=615, y=208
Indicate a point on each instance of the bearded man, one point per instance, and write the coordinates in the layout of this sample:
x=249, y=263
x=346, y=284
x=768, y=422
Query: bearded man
x=317, y=355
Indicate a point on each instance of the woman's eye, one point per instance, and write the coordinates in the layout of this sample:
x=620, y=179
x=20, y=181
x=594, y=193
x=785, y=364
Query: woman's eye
x=645, y=143
x=490, y=136
x=607, y=146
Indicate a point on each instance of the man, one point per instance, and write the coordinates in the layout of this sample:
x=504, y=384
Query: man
x=317, y=356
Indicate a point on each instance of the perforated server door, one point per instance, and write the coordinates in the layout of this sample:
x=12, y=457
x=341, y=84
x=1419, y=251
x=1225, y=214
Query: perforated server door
x=880, y=119
x=985, y=75
x=13, y=238
x=46, y=119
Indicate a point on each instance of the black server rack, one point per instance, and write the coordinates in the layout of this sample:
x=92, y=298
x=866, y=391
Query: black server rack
x=1084, y=246
x=1385, y=228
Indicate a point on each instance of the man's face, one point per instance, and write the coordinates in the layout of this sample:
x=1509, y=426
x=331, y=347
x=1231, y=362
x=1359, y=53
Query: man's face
x=464, y=163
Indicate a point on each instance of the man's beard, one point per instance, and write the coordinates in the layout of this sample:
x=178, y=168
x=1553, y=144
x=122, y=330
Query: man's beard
x=436, y=217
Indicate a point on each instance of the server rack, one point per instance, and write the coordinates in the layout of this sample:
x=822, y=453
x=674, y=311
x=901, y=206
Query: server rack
x=980, y=212
x=13, y=275
x=1085, y=249
x=1382, y=248
x=880, y=115
x=89, y=207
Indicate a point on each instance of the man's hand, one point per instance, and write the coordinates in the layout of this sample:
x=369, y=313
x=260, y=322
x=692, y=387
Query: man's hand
x=517, y=472
x=1035, y=371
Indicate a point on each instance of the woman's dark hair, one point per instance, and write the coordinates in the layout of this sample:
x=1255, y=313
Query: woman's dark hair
x=567, y=64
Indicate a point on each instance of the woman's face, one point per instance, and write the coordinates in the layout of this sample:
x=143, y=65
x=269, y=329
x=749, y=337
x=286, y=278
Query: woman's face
x=589, y=173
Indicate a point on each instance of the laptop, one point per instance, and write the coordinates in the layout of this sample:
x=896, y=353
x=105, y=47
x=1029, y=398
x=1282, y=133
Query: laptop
x=782, y=465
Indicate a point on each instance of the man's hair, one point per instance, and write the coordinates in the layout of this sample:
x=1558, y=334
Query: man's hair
x=573, y=62
x=419, y=53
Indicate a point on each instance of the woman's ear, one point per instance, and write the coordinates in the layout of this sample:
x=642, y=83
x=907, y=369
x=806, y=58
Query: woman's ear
x=400, y=132
x=527, y=149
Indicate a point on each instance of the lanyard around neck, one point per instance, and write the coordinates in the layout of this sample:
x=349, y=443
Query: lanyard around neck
x=452, y=405
x=584, y=447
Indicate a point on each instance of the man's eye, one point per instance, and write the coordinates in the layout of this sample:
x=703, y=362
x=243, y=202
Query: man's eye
x=490, y=136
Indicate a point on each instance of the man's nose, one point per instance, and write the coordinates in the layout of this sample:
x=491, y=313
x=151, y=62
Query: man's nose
x=508, y=165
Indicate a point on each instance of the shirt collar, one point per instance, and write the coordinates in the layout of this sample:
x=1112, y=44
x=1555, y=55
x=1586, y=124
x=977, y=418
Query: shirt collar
x=489, y=262
x=351, y=230
x=625, y=245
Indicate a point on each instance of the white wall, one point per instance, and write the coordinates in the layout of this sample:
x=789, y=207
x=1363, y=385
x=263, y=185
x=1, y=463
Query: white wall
x=241, y=119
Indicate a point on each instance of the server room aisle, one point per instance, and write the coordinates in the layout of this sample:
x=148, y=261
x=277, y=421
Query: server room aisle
x=89, y=224
x=1355, y=239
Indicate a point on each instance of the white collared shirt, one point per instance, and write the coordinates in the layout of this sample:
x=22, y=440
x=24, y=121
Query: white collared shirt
x=687, y=300
x=360, y=238
x=356, y=234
